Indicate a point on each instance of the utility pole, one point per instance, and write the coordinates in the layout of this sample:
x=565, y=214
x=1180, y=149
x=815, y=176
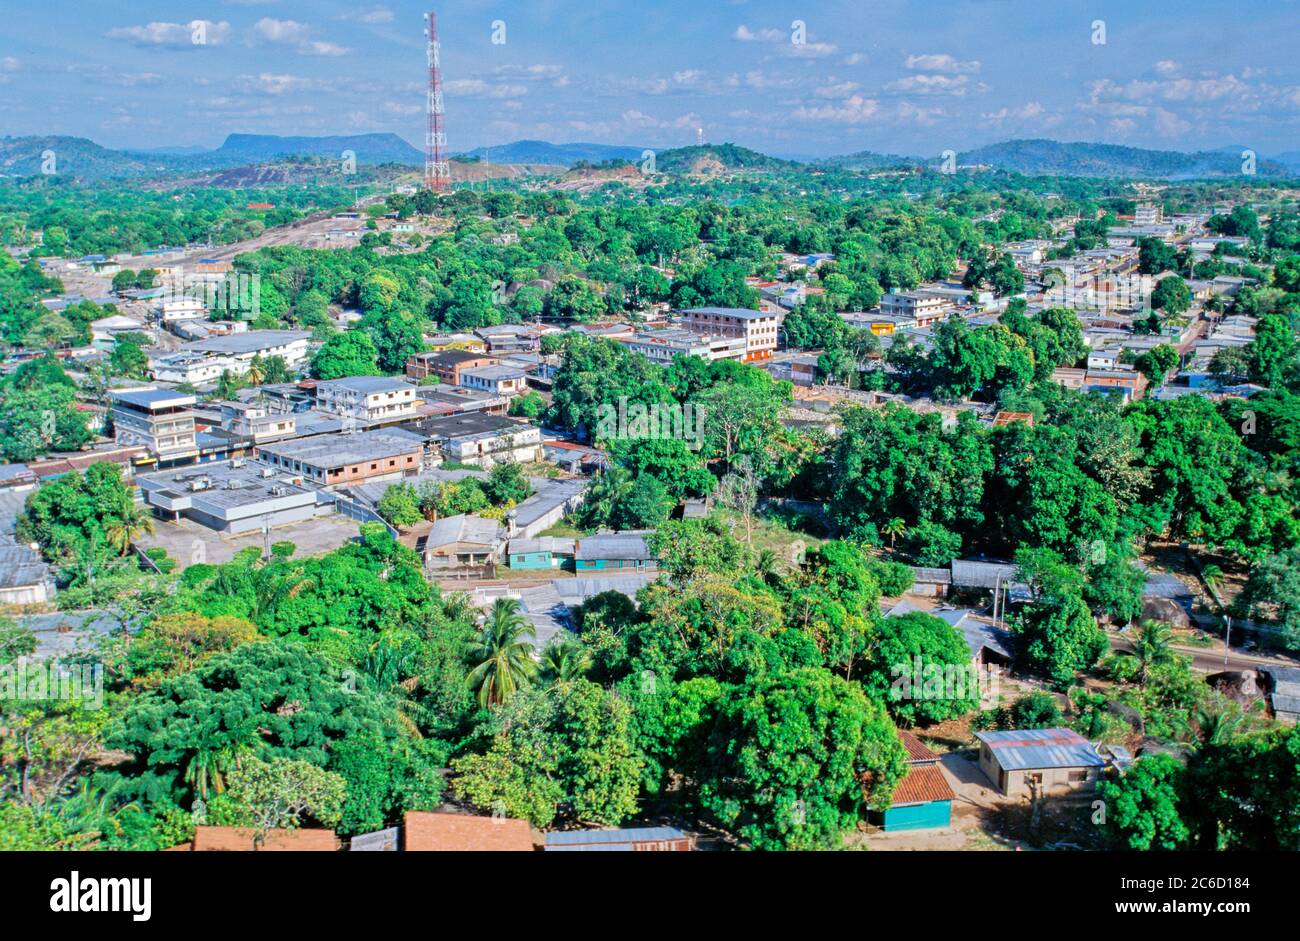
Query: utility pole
x=1227, y=632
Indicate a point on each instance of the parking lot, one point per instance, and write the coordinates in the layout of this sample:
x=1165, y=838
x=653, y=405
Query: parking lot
x=190, y=543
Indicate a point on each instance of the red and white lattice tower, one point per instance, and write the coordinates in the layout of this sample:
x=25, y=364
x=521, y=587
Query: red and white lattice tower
x=437, y=171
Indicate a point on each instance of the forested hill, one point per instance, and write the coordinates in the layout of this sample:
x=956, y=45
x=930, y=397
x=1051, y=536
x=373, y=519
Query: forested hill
x=1055, y=158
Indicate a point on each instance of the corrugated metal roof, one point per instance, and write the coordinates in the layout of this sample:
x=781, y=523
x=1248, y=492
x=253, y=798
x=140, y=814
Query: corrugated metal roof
x=1023, y=749
x=596, y=840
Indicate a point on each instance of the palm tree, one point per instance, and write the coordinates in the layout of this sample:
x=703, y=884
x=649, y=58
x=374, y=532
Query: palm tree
x=1152, y=648
x=566, y=660
x=1218, y=719
x=209, y=767
x=255, y=373
x=133, y=522
x=767, y=566
x=505, y=658
x=893, y=529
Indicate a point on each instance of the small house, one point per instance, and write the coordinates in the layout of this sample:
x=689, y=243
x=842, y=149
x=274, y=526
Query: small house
x=626, y=550
x=546, y=552
x=922, y=800
x=1023, y=762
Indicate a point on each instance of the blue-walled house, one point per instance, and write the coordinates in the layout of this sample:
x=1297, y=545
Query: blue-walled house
x=615, y=552
x=923, y=798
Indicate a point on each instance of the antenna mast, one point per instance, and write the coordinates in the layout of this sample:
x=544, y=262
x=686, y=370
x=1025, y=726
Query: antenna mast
x=437, y=172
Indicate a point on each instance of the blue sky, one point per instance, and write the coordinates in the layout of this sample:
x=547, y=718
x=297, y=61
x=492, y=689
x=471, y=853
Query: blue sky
x=903, y=77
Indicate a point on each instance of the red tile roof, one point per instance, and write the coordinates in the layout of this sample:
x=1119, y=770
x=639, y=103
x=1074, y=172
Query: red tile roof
x=921, y=785
x=916, y=749
x=461, y=832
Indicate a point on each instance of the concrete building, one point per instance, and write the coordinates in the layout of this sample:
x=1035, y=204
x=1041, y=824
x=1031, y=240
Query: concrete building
x=660, y=346
x=758, y=329
x=499, y=380
x=368, y=399
x=1043, y=761
x=481, y=439
x=446, y=365
x=232, y=497
x=921, y=308
x=157, y=419
x=241, y=348
x=255, y=421
x=189, y=368
x=337, y=459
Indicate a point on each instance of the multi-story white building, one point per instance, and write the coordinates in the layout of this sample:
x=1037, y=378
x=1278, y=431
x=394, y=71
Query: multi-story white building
x=368, y=399
x=757, y=328
x=158, y=419
x=242, y=348
x=660, y=346
x=924, y=309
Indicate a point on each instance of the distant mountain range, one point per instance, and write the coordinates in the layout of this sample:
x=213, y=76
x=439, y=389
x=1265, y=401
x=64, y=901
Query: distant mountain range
x=565, y=155
x=83, y=159
x=1054, y=158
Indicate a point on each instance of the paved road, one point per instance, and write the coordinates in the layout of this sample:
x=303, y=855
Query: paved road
x=1210, y=659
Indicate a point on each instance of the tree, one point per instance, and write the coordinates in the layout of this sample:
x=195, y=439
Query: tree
x=1156, y=363
x=543, y=751
x=128, y=357
x=400, y=505
x=504, y=658
x=1152, y=648
x=1142, y=805
x=794, y=758
x=644, y=505
x=922, y=669
x=133, y=522
x=1272, y=592
x=345, y=354
x=1058, y=634
x=690, y=548
x=1171, y=295
x=281, y=793
x=893, y=529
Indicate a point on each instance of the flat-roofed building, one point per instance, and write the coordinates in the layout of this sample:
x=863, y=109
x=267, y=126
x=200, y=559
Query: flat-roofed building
x=446, y=365
x=255, y=421
x=242, y=348
x=757, y=328
x=499, y=380
x=482, y=439
x=921, y=308
x=368, y=399
x=157, y=419
x=333, y=459
x=231, y=497
x=660, y=346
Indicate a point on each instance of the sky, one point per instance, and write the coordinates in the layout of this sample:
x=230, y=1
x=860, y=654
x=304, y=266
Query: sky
x=788, y=78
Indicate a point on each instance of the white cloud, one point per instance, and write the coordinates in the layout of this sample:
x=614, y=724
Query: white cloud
x=1027, y=111
x=836, y=90
x=478, y=88
x=8, y=64
x=852, y=110
x=941, y=62
x=745, y=34
x=296, y=34
x=1167, y=67
x=193, y=34
x=955, y=85
x=373, y=17
x=273, y=83
x=855, y=58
